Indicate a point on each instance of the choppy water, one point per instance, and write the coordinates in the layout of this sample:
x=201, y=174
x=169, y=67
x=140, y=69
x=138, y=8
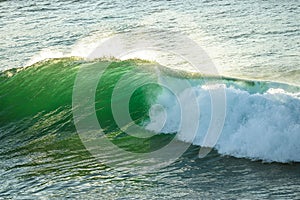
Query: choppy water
x=41, y=154
x=242, y=37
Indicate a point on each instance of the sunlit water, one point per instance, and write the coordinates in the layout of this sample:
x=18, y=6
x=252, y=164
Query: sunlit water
x=250, y=39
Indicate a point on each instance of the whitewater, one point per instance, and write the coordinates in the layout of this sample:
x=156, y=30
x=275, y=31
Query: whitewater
x=253, y=46
x=259, y=124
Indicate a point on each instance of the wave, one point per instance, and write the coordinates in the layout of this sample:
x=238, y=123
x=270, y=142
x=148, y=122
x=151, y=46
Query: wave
x=262, y=118
x=258, y=125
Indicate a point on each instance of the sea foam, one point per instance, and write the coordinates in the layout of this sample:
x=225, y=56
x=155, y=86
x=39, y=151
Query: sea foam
x=260, y=126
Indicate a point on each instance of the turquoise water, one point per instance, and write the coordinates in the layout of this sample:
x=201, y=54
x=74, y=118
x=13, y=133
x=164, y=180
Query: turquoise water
x=254, y=46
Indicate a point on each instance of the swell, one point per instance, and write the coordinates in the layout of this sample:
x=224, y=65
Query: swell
x=262, y=118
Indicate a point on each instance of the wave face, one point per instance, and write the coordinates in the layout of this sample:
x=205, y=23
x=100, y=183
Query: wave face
x=262, y=118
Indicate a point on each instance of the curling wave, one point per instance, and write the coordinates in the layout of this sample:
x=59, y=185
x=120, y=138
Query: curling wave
x=262, y=118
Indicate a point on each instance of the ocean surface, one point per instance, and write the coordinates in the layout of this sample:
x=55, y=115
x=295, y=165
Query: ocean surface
x=254, y=46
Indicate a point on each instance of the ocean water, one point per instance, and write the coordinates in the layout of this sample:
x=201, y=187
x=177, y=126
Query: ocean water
x=253, y=45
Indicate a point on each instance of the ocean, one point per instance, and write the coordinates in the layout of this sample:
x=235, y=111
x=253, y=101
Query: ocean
x=149, y=100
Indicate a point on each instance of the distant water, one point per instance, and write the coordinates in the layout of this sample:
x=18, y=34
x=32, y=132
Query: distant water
x=255, y=45
x=242, y=37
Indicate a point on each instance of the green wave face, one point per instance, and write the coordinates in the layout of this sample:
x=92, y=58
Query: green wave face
x=36, y=107
x=43, y=87
x=36, y=104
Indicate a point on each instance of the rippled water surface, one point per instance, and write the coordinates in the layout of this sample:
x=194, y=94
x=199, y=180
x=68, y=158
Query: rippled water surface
x=242, y=37
x=41, y=155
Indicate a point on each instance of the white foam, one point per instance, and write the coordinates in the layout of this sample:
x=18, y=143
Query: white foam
x=257, y=126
